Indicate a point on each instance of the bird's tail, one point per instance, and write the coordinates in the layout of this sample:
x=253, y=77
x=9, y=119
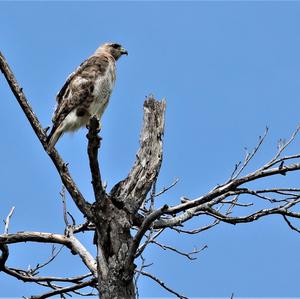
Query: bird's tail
x=53, y=137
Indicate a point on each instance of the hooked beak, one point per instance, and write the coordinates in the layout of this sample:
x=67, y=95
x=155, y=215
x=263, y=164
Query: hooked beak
x=124, y=51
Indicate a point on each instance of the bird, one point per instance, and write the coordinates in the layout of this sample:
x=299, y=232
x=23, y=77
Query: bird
x=86, y=92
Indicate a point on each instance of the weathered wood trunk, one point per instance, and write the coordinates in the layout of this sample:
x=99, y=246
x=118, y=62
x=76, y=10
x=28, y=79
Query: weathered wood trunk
x=115, y=288
x=115, y=277
x=114, y=214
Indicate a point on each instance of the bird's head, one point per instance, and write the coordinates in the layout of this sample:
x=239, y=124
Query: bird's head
x=114, y=49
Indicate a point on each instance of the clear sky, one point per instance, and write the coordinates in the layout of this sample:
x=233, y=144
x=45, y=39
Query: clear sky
x=227, y=70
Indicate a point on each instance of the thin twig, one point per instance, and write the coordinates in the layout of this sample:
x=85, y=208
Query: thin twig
x=249, y=156
x=281, y=148
x=165, y=189
x=290, y=224
x=149, y=239
x=136, y=278
x=52, y=257
x=162, y=284
x=189, y=255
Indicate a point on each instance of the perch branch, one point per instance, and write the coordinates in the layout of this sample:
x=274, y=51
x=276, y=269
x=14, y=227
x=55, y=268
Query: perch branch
x=93, y=147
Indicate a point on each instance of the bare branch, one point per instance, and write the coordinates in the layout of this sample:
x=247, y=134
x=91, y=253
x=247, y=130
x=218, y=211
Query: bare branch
x=149, y=239
x=281, y=210
x=281, y=148
x=8, y=219
x=137, y=276
x=189, y=255
x=87, y=294
x=93, y=147
x=191, y=208
x=27, y=277
x=52, y=257
x=231, y=187
x=61, y=167
x=64, y=290
x=290, y=224
x=165, y=189
x=162, y=284
x=70, y=242
x=198, y=230
x=249, y=156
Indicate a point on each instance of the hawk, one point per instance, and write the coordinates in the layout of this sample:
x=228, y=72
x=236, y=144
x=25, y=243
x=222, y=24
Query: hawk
x=86, y=92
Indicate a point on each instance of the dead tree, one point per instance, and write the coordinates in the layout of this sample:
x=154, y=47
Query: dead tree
x=129, y=207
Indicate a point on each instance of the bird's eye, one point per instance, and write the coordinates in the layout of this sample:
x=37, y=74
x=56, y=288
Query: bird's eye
x=116, y=46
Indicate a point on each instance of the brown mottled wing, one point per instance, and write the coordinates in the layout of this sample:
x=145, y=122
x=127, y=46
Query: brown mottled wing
x=78, y=88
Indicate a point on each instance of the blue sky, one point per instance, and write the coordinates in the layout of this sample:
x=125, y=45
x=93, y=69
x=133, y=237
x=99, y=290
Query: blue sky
x=227, y=70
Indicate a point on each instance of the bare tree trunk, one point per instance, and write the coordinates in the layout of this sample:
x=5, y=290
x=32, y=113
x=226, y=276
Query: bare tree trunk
x=114, y=288
x=114, y=214
x=115, y=276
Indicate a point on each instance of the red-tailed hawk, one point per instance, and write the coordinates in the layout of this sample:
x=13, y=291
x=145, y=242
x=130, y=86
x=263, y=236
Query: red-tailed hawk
x=86, y=92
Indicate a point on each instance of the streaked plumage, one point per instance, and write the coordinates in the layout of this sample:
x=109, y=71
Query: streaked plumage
x=86, y=91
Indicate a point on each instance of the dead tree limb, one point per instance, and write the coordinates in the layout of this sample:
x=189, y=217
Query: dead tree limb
x=70, y=242
x=133, y=189
x=93, y=147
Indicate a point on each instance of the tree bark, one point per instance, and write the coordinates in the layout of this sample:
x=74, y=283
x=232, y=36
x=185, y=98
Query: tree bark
x=115, y=278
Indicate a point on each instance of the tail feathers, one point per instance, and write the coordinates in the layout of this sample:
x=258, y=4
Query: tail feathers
x=53, y=137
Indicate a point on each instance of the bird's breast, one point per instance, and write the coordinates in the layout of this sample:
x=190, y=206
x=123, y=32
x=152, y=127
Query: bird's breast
x=102, y=90
x=104, y=84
